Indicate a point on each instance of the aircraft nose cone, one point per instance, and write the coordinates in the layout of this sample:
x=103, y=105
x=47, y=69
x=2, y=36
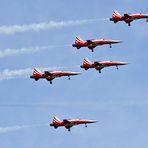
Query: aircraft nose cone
x=94, y=121
x=118, y=41
x=78, y=73
x=125, y=63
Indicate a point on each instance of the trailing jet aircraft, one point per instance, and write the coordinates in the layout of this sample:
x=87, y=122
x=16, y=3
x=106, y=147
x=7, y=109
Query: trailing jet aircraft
x=127, y=18
x=91, y=44
x=69, y=123
x=50, y=75
x=100, y=65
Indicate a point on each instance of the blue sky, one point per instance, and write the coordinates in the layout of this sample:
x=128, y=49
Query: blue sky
x=118, y=99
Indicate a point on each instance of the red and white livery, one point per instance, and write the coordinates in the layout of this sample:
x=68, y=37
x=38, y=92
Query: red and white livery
x=69, y=123
x=127, y=18
x=101, y=64
x=91, y=44
x=50, y=75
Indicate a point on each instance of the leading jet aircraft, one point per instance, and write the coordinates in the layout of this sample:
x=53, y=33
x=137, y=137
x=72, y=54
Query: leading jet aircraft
x=68, y=123
x=127, y=18
x=50, y=75
x=91, y=44
x=99, y=65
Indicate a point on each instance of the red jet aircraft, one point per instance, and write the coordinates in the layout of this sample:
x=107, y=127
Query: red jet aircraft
x=69, y=123
x=127, y=18
x=91, y=44
x=100, y=65
x=50, y=75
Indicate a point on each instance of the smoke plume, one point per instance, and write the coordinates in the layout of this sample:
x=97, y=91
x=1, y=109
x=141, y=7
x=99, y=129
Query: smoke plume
x=9, y=30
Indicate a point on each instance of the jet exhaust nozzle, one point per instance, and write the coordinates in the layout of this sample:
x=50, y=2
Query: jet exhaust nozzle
x=73, y=45
x=32, y=77
x=81, y=66
x=51, y=124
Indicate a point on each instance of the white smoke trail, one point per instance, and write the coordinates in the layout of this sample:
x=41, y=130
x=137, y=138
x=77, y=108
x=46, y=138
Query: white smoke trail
x=9, y=74
x=15, y=52
x=9, y=30
x=23, y=73
x=4, y=130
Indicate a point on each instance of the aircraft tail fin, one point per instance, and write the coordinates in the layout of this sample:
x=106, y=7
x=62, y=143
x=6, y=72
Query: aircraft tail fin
x=87, y=62
x=37, y=72
x=56, y=119
x=79, y=40
x=116, y=14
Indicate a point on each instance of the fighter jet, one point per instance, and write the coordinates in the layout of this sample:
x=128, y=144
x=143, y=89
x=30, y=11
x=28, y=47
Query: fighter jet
x=127, y=18
x=68, y=123
x=50, y=75
x=99, y=65
x=91, y=44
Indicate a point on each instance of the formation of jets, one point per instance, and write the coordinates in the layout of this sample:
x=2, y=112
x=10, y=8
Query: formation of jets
x=87, y=64
x=68, y=123
x=127, y=18
x=91, y=44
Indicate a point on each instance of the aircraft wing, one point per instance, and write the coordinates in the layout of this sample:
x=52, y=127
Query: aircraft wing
x=127, y=16
x=49, y=76
x=90, y=42
x=66, y=121
x=97, y=64
x=47, y=73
